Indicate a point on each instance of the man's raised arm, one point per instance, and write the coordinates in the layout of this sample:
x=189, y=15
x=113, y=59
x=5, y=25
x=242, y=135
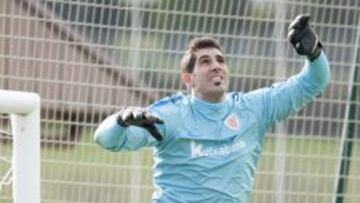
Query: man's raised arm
x=285, y=98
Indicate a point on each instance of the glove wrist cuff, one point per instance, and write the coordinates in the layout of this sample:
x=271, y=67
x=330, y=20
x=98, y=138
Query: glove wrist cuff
x=316, y=53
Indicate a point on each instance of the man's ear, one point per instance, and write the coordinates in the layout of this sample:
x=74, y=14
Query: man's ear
x=187, y=79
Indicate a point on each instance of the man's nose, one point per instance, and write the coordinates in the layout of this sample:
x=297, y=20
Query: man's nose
x=215, y=67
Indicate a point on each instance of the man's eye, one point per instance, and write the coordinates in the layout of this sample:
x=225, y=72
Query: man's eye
x=205, y=61
x=221, y=60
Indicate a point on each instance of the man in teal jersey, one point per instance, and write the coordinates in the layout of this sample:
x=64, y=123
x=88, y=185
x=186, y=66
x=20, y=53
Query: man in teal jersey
x=207, y=144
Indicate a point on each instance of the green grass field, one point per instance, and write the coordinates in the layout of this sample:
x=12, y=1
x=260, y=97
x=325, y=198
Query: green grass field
x=86, y=173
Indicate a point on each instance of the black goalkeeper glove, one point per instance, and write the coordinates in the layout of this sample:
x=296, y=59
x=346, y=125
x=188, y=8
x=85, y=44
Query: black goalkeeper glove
x=303, y=37
x=140, y=117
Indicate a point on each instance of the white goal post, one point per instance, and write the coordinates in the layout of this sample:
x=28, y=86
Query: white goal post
x=24, y=110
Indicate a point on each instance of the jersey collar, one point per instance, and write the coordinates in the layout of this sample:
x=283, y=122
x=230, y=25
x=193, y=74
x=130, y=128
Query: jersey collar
x=215, y=110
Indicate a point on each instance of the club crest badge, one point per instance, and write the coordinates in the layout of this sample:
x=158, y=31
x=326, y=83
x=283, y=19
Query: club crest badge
x=232, y=122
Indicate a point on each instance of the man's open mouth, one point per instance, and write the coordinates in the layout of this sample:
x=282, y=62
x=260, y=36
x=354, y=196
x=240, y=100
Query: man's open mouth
x=217, y=78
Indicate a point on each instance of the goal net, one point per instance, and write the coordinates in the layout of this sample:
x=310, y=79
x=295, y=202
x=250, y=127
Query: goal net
x=87, y=58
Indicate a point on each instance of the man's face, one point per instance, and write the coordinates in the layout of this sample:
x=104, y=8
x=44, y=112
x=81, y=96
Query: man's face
x=210, y=78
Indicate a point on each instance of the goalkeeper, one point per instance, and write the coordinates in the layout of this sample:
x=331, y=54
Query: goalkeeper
x=207, y=144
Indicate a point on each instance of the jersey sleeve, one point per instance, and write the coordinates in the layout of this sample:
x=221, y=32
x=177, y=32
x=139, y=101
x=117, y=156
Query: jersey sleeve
x=285, y=98
x=111, y=136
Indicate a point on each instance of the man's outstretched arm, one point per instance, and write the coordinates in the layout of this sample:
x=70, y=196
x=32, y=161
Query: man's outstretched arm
x=129, y=129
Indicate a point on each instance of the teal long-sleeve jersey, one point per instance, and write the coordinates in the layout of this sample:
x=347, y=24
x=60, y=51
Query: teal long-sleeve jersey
x=210, y=150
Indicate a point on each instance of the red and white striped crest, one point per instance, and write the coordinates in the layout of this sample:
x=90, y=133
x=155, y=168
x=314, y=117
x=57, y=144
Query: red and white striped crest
x=232, y=122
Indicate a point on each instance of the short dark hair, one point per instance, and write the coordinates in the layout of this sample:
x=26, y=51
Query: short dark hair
x=189, y=59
